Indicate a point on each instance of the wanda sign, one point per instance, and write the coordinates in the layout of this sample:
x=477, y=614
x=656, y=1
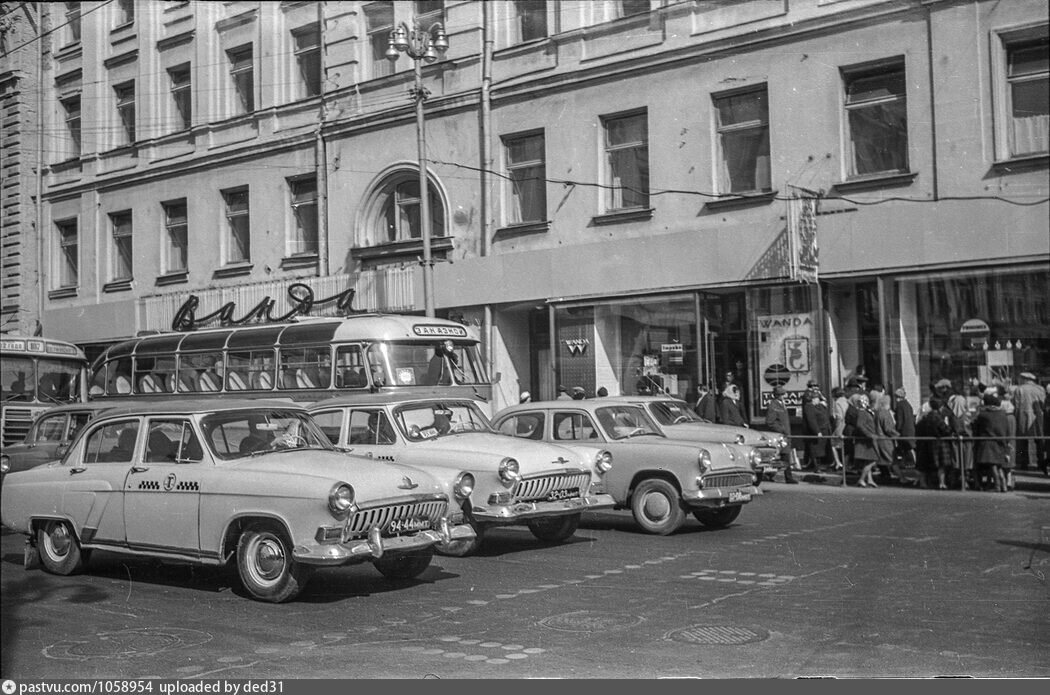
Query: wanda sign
x=300, y=297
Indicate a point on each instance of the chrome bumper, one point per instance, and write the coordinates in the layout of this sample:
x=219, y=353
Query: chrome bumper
x=715, y=497
x=375, y=546
x=520, y=511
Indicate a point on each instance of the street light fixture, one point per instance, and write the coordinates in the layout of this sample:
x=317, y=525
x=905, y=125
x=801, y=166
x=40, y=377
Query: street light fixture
x=421, y=46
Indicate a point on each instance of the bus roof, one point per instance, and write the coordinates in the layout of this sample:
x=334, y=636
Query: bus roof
x=38, y=346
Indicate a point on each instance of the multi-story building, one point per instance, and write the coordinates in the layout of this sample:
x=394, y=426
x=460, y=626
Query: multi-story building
x=634, y=195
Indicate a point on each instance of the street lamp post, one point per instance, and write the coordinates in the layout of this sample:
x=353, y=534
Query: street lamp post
x=421, y=46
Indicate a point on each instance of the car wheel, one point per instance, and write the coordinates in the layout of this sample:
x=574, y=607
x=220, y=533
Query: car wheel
x=555, y=529
x=60, y=551
x=656, y=507
x=404, y=565
x=266, y=566
x=465, y=547
x=718, y=518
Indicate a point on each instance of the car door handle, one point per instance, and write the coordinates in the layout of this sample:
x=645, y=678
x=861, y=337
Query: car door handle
x=139, y=469
x=77, y=469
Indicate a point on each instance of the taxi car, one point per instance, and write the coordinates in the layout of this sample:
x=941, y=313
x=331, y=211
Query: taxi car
x=48, y=437
x=542, y=486
x=679, y=421
x=212, y=482
x=658, y=478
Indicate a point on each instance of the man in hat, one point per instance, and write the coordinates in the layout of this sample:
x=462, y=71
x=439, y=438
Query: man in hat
x=778, y=420
x=578, y=394
x=1029, y=402
x=563, y=394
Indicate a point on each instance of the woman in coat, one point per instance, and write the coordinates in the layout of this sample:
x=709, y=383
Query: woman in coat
x=864, y=436
x=729, y=408
x=886, y=444
x=934, y=447
x=991, y=429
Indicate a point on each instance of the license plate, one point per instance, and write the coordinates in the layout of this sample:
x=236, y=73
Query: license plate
x=737, y=496
x=555, y=495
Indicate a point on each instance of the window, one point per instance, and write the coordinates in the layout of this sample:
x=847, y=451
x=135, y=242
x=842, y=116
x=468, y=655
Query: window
x=304, y=210
x=125, y=12
x=120, y=223
x=72, y=109
x=526, y=174
x=1027, y=75
x=401, y=214
x=877, y=117
x=626, y=161
x=241, y=70
x=181, y=95
x=743, y=136
x=175, y=259
x=379, y=18
x=68, y=270
x=626, y=8
x=112, y=443
x=238, y=241
x=429, y=11
x=126, y=110
x=72, y=22
x=530, y=19
x=308, y=55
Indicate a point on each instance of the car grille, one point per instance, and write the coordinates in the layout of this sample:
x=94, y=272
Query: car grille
x=540, y=487
x=767, y=454
x=358, y=525
x=16, y=424
x=727, y=480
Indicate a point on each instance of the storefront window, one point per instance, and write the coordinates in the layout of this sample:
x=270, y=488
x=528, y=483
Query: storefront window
x=786, y=338
x=630, y=347
x=984, y=326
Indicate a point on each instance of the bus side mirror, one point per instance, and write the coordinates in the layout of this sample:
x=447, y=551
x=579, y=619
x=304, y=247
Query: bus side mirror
x=496, y=378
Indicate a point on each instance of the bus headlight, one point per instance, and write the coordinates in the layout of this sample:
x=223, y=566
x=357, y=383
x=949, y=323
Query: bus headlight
x=341, y=500
x=464, y=486
x=508, y=472
x=603, y=461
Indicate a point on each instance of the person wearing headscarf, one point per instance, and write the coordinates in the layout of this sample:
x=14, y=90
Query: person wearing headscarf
x=864, y=436
x=990, y=430
x=935, y=451
x=729, y=409
x=886, y=444
x=904, y=417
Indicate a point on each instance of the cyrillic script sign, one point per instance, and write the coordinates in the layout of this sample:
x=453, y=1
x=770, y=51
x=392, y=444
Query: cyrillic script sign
x=430, y=331
x=301, y=298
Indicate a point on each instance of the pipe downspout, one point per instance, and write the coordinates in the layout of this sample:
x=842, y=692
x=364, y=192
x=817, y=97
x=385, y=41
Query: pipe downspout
x=321, y=155
x=485, y=127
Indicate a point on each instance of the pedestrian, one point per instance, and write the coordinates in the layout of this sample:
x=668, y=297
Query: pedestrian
x=934, y=447
x=578, y=394
x=864, y=436
x=816, y=425
x=602, y=392
x=779, y=420
x=839, y=406
x=706, y=403
x=904, y=417
x=729, y=409
x=1006, y=401
x=990, y=454
x=563, y=394
x=1029, y=400
x=886, y=444
x=525, y=397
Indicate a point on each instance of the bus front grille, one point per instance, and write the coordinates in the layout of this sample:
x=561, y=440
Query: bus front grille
x=16, y=423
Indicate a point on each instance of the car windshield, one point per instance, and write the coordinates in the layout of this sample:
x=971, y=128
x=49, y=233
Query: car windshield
x=673, y=412
x=433, y=419
x=626, y=421
x=241, y=433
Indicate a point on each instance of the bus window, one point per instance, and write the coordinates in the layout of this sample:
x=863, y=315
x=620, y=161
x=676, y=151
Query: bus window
x=250, y=369
x=306, y=368
x=197, y=372
x=350, y=368
x=19, y=378
x=119, y=376
x=151, y=376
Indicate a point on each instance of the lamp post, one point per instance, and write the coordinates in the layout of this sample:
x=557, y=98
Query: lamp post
x=421, y=46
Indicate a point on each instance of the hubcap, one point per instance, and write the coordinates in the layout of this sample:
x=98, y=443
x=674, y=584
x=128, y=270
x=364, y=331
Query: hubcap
x=59, y=540
x=269, y=559
x=656, y=506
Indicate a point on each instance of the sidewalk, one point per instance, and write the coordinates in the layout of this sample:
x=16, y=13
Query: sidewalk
x=1031, y=480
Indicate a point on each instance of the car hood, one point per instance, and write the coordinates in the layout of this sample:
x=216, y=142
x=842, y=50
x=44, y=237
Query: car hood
x=723, y=454
x=719, y=433
x=370, y=478
x=484, y=451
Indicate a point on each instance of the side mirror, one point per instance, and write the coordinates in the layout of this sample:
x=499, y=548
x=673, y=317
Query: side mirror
x=496, y=379
x=61, y=449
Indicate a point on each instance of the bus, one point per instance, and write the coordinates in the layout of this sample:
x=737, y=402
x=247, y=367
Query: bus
x=36, y=374
x=305, y=359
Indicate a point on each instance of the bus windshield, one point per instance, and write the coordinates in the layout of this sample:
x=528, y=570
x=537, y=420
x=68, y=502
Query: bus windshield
x=40, y=380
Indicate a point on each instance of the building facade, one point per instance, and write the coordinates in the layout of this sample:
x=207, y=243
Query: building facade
x=639, y=196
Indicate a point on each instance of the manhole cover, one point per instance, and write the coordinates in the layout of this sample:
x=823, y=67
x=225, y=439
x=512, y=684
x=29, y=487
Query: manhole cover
x=126, y=644
x=718, y=634
x=590, y=621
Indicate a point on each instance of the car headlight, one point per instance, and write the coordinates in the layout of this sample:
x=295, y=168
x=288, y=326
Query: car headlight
x=603, y=461
x=704, y=460
x=5, y=464
x=740, y=439
x=464, y=486
x=341, y=500
x=754, y=458
x=508, y=472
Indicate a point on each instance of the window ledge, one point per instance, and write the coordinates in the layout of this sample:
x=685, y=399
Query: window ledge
x=231, y=271
x=741, y=200
x=131, y=149
x=62, y=293
x=68, y=50
x=173, y=278
x=622, y=216
x=395, y=249
x=522, y=228
x=305, y=260
x=66, y=165
x=876, y=181
x=1022, y=163
x=117, y=285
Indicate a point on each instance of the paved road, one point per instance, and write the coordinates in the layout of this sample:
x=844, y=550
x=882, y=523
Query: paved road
x=812, y=580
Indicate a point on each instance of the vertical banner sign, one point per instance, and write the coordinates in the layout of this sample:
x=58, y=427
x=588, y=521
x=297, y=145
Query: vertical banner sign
x=785, y=355
x=802, y=234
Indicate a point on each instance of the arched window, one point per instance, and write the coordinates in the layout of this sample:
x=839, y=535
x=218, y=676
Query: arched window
x=400, y=218
x=391, y=224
